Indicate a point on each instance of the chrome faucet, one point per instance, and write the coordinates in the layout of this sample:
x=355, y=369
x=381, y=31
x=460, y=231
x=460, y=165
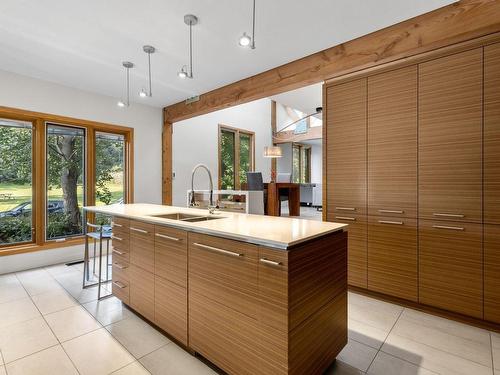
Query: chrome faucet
x=211, y=206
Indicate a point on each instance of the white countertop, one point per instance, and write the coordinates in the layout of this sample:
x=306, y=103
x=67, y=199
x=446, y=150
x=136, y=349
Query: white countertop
x=272, y=231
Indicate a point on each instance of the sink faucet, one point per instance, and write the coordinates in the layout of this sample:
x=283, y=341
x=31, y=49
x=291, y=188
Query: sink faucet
x=211, y=206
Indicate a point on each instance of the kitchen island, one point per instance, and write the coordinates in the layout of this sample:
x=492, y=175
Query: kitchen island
x=253, y=294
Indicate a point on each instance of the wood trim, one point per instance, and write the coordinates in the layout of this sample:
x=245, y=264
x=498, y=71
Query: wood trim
x=451, y=24
x=324, y=206
x=39, y=121
x=274, y=120
x=167, y=172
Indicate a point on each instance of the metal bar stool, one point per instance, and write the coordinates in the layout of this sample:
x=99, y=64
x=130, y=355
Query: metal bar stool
x=98, y=233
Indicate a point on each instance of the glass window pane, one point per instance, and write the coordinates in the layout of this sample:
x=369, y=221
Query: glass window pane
x=227, y=157
x=295, y=164
x=65, y=180
x=16, y=192
x=245, y=156
x=110, y=171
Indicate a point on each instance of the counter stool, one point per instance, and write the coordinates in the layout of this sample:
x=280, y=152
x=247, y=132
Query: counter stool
x=98, y=233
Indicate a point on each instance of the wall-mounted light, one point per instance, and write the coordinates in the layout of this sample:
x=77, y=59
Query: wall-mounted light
x=189, y=20
x=149, y=50
x=247, y=40
x=125, y=103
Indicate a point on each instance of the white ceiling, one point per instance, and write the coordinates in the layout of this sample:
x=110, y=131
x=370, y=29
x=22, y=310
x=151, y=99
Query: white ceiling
x=81, y=44
x=305, y=99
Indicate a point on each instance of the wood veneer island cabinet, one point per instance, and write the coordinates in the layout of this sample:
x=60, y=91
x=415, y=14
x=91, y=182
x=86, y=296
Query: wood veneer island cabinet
x=252, y=294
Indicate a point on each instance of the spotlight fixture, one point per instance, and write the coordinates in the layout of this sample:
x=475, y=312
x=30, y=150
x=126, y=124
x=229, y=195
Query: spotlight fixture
x=149, y=50
x=247, y=40
x=189, y=20
x=127, y=65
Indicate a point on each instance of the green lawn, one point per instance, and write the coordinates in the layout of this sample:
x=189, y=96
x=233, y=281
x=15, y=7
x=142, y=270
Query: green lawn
x=22, y=193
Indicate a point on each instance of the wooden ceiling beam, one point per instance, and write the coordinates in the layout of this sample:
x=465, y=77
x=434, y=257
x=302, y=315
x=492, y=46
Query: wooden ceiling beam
x=451, y=24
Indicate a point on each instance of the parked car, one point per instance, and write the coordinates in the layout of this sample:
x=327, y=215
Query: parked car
x=24, y=209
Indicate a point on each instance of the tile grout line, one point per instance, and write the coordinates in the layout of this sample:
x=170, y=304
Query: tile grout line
x=48, y=325
x=380, y=348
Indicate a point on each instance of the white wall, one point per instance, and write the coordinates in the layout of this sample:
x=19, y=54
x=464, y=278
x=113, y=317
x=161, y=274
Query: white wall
x=316, y=164
x=35, y=95
x=196, y=141
x=284, y=164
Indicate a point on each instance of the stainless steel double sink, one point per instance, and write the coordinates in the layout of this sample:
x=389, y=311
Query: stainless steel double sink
x=187, y=217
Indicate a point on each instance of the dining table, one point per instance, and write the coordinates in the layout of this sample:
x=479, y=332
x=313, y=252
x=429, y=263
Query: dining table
x=275, y=190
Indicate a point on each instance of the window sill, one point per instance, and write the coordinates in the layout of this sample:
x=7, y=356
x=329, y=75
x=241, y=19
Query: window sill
x=29, y=248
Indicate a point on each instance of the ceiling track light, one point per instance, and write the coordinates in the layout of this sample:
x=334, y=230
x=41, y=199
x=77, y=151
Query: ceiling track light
x=189, y=20
x=247, y=40
x=127, y=65
x=149, y=50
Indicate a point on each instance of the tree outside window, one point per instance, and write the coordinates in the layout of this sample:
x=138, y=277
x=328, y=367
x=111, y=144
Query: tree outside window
x=236, y=157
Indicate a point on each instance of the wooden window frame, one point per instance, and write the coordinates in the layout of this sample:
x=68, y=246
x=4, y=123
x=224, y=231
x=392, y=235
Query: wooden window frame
x=39, y=122
x=308, y=148
x=237, y=132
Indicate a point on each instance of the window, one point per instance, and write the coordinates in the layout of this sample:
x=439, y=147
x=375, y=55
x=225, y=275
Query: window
x=65, y=181
x=236, y=157
x=50, y=167
x=16, y=174
x=301, y=163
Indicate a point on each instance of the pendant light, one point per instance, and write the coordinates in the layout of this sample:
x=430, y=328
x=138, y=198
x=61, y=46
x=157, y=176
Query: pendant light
x=247, y=40
x=127, y=65
x=189, y=20
x=149, y=50
x=275, y=151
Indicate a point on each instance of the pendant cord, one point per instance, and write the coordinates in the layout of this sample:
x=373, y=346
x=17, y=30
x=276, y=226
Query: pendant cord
x=190, y=49
x=253, y=26
x=128, y=87
x=149, y=64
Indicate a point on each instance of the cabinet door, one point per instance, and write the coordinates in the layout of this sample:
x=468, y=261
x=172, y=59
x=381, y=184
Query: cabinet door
x=492, y=134
x=492, y=273
x=392, y=143
x=171, y=254
x=224, y=271
x=346, y=147
x=142, y=288
x=142, y=245
x=451, y=266
x=171, y=308
x=392, y=256
x=356, y=248
x=450, y=137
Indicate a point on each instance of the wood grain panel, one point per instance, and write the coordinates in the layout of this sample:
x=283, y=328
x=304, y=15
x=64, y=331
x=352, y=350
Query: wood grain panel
x=171, y=308
x=315, y=344
x=451, y=266
x=357, y=252
x=273, y=288
x=120, y=269
x=317, y=273
x=392, y=256
x=120, y=223
x=492, y=273
x=450, y=137
x=392, y=143
x=492, y=134
x=230, y=280
x=171, y=254
x=142, y=291
x=120, y=288
x=120, y=245
x=346, y=147
x=142, y=240
x=226, y=337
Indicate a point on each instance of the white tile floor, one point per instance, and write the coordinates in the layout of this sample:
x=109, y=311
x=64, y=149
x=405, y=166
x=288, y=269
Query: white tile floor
x=48, y=325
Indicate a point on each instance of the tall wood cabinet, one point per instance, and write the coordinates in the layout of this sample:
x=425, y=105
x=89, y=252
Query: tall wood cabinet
x=346, y=170
x=430, y=232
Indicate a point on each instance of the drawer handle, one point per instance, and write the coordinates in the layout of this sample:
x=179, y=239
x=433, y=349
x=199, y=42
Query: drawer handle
x=113, y=224
x=167, y=237
x=390, y=222
x=119, y=284
x=345, y=218
x=119, y=266
x=216, y=249
x=119, y=252
x=447, y=227
x=391, y=211
x=116, y=238
x=345, y=208
x=139, y=230
x=448, y=215
x=271, y=262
